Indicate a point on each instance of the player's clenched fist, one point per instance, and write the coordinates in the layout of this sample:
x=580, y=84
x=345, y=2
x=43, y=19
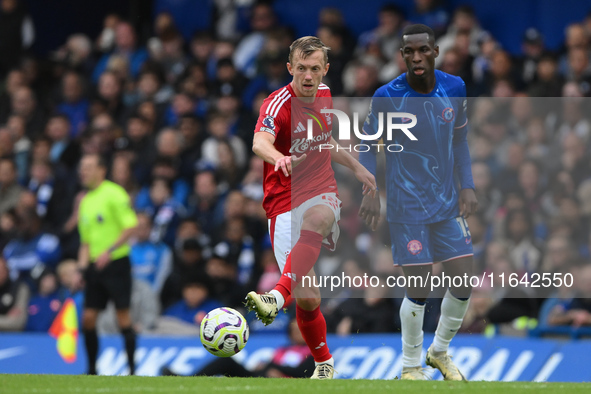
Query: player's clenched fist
x=288, y=163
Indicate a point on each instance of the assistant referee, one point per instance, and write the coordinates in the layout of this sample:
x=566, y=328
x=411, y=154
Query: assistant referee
x=106, y=221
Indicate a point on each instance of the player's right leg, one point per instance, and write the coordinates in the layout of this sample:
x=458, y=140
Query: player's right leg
x=265, y=305
x=316, y=224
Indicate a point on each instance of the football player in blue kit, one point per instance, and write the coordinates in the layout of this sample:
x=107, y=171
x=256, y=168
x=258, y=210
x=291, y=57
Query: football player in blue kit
x=430, y=193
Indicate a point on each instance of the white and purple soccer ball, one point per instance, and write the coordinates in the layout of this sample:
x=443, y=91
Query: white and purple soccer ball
x=224, y=332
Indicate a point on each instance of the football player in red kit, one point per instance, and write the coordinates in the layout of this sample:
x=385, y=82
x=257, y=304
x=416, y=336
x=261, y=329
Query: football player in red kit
x=302, y=206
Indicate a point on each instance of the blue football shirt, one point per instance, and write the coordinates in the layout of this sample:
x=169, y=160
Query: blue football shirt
x=422, y=186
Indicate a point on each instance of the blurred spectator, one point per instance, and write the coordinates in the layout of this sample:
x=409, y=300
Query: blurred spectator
x=14, y=298
x=228, y=81
x=122, y=175
x=530, y=184
x=74, y=105
x=54, y=194
x=173, y=59
x=206, y=203
x=548, y=82
x=219, y=129
x=109, y=94
x=63, y=149
x=261, y=22
x=125, y=46
x=7, y=227
x=10, y=190
x=32, y=250
x=560, y=255
x=575, y=312
x=196, y=302
x=45, y=304
x=193, y=136
x=139, y=142
x=24, y=103
x=189, y=229
x=489, y=197
x=151, y=86
x=15, y=79
x=202, y=46
x=22, y=145
x=190, y=264
x=237, y=247
x=223, y=278
x=71, y=285
x=164, y=210
x=525, y=256
x=334, y=37
x=532, y=48
x=76, y=54
x=151, y=261
x=430, y=13
x=106, y=39
x=487, y=45
x=464, y=21
x=164, y=168
x=386, y=36
x=6, y=143
x=17, y=32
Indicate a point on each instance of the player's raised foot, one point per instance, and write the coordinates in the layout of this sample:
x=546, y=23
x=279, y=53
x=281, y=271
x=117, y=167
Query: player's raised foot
x=264, y=305
x=442, y=361
x=323, y=371
x=413, y=373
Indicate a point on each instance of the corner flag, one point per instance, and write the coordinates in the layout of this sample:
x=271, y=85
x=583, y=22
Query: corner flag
x=65, y=329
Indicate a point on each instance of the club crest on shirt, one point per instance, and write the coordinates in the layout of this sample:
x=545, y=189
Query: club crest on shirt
x=414, y=247
x=448, y=114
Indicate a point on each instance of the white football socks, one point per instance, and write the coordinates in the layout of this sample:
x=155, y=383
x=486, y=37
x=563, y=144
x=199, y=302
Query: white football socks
x=452, y=315
x=411, y=319
x=329, y=361
x=279, y=298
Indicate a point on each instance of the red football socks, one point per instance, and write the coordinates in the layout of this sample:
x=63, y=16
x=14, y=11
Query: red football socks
x=313, y=328
x=300, y=261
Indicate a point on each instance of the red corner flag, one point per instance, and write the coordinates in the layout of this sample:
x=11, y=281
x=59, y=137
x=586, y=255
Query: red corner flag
x=65, y=329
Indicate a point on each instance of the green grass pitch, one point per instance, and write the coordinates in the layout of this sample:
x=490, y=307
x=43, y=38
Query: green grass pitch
x=15, y=384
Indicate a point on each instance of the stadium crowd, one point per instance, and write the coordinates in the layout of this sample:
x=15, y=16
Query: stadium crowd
x=175, y=120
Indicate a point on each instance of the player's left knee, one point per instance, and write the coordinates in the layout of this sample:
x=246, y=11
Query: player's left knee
x=308, y=304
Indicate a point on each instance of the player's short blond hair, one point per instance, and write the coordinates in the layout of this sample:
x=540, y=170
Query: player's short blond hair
x=306, y=46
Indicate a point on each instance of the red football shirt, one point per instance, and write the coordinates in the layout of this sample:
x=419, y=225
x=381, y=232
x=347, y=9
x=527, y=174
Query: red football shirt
x=287, y=120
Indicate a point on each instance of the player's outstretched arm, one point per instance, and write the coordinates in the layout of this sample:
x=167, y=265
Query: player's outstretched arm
x=341, y=156
x=263, y=146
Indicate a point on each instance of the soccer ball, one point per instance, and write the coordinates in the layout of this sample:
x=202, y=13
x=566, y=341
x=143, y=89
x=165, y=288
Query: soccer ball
x=224, y=332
